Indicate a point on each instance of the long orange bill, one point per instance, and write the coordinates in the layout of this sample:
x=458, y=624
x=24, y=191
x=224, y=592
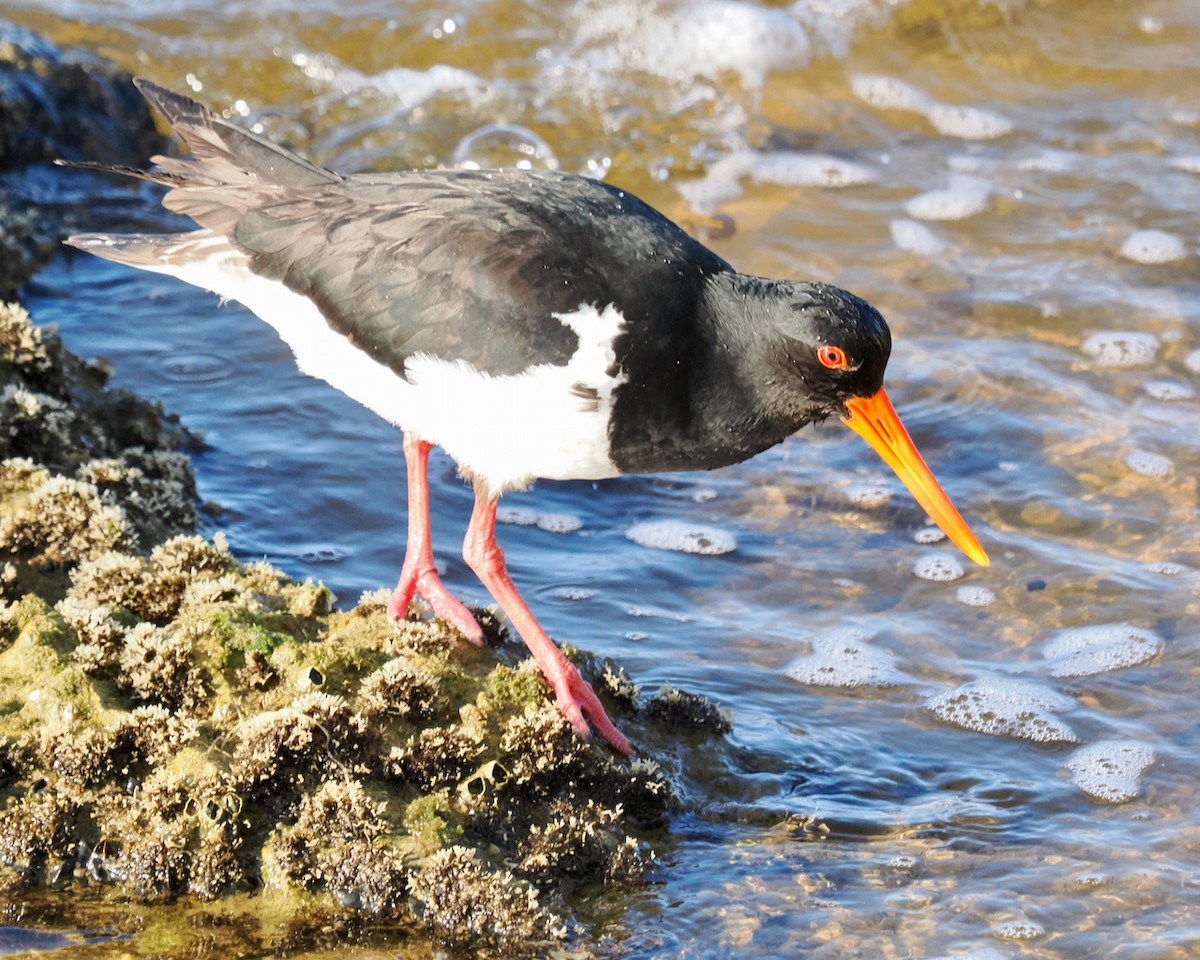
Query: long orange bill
x=875, y=420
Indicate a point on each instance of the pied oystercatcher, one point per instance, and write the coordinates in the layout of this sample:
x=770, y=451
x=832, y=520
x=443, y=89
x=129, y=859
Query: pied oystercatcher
x=532, y=324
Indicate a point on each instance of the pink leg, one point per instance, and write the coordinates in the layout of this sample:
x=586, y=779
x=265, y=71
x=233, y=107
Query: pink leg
x=419, y=575
x=574, y=694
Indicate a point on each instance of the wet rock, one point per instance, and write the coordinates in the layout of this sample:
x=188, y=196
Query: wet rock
x=177, y=723
x=56, y=102
x=681, y=710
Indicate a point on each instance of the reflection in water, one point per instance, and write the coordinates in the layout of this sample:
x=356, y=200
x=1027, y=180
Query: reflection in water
x=1005, y=759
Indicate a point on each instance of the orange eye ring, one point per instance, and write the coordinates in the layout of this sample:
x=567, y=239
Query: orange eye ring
x=833, y=357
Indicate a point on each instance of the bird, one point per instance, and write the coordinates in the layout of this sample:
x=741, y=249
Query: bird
x=532, y=323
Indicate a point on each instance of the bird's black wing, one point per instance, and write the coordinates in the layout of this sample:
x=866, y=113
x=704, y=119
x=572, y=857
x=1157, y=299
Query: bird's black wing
x=457, y=264
x=472, y=265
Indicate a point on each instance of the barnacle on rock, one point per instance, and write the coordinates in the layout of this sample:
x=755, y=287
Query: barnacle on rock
x=462, y=898
x=37, y=833
x=400, y=689
x=437, y=756
x=582, y=841
x=279, y=749
x=63, y=522
x=156, y=667
x=337, y=844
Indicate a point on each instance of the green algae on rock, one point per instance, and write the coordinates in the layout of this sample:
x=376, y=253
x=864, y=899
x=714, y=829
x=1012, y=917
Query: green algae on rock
x=176, y=723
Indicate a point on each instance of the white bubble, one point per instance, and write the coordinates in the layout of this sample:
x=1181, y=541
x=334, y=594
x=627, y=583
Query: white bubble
x=682, y=537
x=1192, y=361
x=939, y=567
x=846, y=659
x=968, y=123
x=550, y=522
x=1019, y=930
x=1165, y=568
x=1087, y=651
x=869, y=493
x=888, y=93
x=976, y=953
x=1121, y=348
x=916, y=238
x=1110, y=770
x=975, y=596
x=1152, y=465
x=928, y=535
x=1003, y=707
x=710, y=38
x=1153, y=246
x=559, y=523
x=1168, y=390
x=810, y=170
x=1048, y=161
x=721, y=182
x=965, y=197
x=1189, y=164
x=574, y=593
x=408, y=87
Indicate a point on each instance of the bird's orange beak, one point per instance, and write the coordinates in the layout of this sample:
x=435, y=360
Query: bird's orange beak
x=874, y=419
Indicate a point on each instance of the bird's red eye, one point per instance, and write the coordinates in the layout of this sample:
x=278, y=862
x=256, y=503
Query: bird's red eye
x=832, y=357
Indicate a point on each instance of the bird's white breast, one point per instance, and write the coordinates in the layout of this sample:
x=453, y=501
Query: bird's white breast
x=547, y=421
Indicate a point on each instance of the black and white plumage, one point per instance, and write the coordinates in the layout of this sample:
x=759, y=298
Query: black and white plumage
x=532, y=324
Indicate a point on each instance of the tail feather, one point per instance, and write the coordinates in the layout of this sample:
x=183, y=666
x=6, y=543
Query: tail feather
x=224, y=153
x=161, y=252
x=230, y=169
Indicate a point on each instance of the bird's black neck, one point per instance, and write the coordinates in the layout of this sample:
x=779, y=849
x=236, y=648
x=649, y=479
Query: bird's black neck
x=698, y=389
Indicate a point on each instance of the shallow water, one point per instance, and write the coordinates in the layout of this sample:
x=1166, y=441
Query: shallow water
x=930, y=761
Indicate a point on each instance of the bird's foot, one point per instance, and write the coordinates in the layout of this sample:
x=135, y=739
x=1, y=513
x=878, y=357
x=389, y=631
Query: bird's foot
x=577, y=701
x=445, y=606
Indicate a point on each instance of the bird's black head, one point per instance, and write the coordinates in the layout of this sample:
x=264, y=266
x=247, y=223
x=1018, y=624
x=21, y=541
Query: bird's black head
x=827, y=346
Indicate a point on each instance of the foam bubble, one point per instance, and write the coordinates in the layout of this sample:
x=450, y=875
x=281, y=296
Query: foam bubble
x=1153, y=246
x=939, y=567
x=1190, y=164
x=710, y=38
x=846, y=659
x=682, y=537
x=973, y=595
x=916, y=238
x=1087, y=651
x=810, y=170
x=1048, y=161
x=550, y=522
x=977, y=953
x=1192, y=361
x=928, y=535
x=1003, y=707
x=574, y=593
x=1168, y=390
x=952, y=120
x=1152, y=465
x=409, y=87
x=869, y=493
x=1121, y=348
x=965, y=197
x=722, y=180
x=888, y=93
x=1019, y=930
x=1165, y=568
x=968, y=123
x=1110, y=770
